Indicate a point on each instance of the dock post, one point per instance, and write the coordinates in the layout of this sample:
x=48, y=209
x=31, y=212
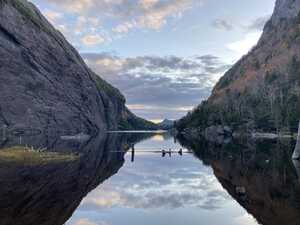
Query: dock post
x=296, y=154
x=132, y=153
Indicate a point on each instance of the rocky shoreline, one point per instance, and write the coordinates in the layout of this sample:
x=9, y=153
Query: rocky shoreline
x=220, y=134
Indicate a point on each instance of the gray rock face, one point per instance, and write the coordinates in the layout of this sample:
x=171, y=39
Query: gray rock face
x=44, y=83
x=285, y=9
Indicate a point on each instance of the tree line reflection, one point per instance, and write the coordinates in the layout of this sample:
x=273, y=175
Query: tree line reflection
x=259, y=174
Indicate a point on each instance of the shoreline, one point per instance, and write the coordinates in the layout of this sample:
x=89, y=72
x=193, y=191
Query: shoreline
x=264, y=135
x=197, y=133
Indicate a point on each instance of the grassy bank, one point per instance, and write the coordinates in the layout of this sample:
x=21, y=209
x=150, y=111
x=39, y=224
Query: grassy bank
x=19, y=154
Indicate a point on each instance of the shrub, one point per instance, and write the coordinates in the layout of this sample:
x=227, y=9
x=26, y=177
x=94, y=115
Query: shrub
x=271, y=77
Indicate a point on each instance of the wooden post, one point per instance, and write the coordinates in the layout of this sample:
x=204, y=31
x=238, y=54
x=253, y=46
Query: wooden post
x=132, y=153
x=296, y=154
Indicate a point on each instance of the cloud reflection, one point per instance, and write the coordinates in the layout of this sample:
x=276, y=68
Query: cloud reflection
x=156, y=190
x=153, y=184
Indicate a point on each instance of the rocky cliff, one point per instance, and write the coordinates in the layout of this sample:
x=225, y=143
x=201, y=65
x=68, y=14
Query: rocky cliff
x=44, y=83
x=262, y=90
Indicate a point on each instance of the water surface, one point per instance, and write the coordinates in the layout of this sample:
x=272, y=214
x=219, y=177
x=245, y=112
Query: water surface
x=103, y=182
x=161, y=190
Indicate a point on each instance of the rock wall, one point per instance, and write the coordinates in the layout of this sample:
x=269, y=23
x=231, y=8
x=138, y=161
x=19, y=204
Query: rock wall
x=44, y=83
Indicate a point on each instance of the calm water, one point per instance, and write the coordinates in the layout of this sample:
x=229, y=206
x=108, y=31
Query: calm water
x=104, y=183
x=155, y=190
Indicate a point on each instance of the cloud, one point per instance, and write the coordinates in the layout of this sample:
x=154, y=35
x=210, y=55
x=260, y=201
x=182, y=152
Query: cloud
x=123, y=28
x=243, y=46
x=222, y=24
x=90, y=40
x=159, y=85
x=52, y=16
x=90, y=23
x=254, y=26
x=85, y=221
x=150, y=14
x=245, y=219
x=258, y=24
x=156, y=12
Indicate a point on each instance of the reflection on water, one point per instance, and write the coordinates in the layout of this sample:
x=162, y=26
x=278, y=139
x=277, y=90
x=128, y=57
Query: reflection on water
x=265, y=170
x=48, y=193
x=109, y=183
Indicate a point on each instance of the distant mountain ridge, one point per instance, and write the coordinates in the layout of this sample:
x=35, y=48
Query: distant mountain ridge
x=262, y=90
x=166, y=124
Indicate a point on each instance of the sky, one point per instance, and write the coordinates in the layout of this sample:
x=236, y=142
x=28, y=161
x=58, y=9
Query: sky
x=164, y=55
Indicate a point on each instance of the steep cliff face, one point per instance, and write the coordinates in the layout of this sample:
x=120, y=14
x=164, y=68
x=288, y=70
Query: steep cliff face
x=262, y=90
x=44, y=83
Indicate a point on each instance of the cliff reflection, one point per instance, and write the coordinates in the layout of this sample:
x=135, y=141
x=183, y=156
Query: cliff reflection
x=47, y=193
x=260, y=175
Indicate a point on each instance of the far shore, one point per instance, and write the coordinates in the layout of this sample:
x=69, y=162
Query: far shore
x=255, y=135
x=273, y=135
x=138, y=131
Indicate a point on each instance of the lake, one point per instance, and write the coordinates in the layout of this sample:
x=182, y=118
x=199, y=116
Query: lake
x=103, y=182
